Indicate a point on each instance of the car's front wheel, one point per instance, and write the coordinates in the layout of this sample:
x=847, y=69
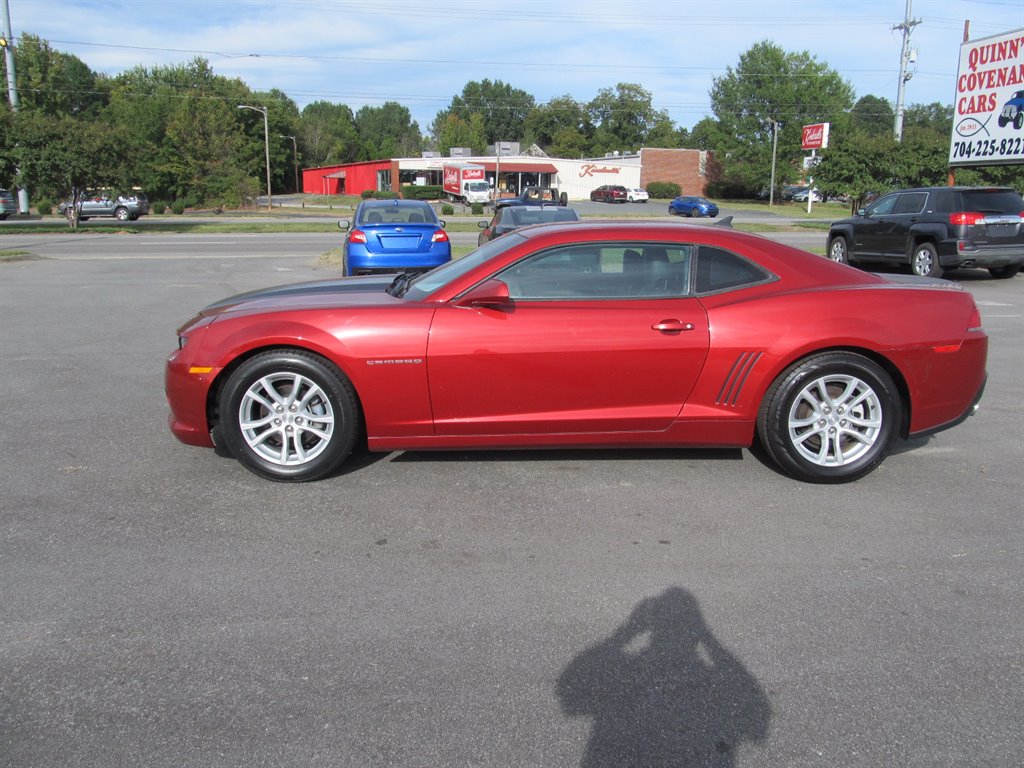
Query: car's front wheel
x=289, y=416
x=830, y=418
x=924, y=261
x=121, y=214
x=838, y=250
x=694, y=213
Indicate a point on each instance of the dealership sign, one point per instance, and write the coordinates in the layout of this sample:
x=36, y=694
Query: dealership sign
x=815, y=136
x=988, y=108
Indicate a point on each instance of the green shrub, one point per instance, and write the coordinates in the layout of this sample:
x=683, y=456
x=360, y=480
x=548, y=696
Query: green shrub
x=158, y=207
x=412, y=192
x=178, y=207
x=477, y=208
x=664, y=190
x=366, y=194
x=447, y=210
x=384, y=195
x=44, y=207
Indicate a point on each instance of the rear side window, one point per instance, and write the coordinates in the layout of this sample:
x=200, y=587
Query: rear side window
x=721, y=270
x=992, y=201
x=911, y=202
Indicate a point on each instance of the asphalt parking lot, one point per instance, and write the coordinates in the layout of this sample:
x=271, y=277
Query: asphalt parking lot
x=164, y=607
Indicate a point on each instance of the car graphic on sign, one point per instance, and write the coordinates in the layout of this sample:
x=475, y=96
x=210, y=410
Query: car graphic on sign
x=1013, y=111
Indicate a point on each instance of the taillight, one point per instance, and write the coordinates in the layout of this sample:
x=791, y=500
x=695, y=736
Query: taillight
x=357, y=236
x=966, y=218
x=440, y=236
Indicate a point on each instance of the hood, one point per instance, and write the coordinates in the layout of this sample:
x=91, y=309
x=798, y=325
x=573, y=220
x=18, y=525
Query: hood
x=344, y=291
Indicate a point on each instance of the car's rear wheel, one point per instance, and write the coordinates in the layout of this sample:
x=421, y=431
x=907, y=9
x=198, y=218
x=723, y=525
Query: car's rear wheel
x=121, y=214
x=838, y=250
x=1004, y=273
x=924, y=261
x=830, y=418
x=672, y=211
x=289, y=416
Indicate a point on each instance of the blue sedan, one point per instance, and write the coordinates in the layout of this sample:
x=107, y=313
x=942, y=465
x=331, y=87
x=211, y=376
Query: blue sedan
x=394, y=236
x=692, y=206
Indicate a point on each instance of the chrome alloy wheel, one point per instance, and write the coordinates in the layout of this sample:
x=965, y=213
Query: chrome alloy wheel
x=835, y=420
x=286, y=418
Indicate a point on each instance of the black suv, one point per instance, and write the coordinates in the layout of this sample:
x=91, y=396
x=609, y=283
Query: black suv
x=934, y=229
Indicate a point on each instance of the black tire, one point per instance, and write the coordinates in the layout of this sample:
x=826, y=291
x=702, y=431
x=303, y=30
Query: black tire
x=806, y=427
x=121, y=214
x=672, y=211
x=839, y=249
x=307, y=440
x=694, y=213
x=924, y=261
x=1018, y=121
x=1004, y=273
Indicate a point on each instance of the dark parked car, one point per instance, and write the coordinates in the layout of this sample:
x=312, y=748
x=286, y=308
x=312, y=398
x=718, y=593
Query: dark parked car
x=394, y=236
x=535, y=196
x=515, y=216
x=935, y=229
x=126, y=207
x=610, y=193
x=690, y=205
x=7, y=204
x=584, y=334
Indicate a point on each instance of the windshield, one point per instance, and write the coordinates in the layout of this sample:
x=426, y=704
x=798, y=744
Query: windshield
x=430, y=281
x=478, y=186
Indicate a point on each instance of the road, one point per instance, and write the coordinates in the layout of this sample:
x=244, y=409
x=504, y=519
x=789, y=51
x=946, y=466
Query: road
x=164, y=607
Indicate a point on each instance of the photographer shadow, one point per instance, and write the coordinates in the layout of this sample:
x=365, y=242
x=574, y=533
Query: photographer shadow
x=662, y=691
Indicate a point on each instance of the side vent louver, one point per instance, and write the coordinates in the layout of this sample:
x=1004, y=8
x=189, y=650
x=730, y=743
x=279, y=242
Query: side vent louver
x=733, y=384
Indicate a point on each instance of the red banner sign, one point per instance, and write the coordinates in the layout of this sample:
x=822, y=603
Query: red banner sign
x=815, y=136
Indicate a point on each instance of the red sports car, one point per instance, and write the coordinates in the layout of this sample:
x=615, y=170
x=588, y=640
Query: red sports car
x=586, y=334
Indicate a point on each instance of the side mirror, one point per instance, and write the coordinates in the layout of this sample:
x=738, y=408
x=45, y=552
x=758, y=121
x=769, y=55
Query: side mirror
x=442, y=223
x=344, y=225
x=482, y=224
x=489, y=293
x=860, y=212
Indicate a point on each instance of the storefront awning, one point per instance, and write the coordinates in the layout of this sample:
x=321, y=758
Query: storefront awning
x=513, y=166
x=335, y=175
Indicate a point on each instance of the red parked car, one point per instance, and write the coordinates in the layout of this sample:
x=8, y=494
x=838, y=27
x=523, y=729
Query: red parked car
x=610, y=193
x=585, y=334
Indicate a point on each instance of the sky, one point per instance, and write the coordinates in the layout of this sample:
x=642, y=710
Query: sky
x=421, y=54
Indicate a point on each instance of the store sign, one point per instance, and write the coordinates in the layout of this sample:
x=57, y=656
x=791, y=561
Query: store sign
x=590, y=169
x=815, y=136
x=988, y=107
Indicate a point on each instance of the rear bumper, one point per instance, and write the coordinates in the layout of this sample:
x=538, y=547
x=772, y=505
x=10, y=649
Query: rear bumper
x=968, y=412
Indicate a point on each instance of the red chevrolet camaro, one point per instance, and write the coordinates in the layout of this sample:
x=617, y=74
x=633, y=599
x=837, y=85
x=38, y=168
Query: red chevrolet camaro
x=603, y=334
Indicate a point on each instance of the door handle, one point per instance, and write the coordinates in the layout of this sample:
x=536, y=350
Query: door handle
x=672, y=326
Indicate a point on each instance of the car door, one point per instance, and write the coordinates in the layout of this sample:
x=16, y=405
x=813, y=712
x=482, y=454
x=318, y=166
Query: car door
x=905, y=214
x=582, y=346
x=875, y=227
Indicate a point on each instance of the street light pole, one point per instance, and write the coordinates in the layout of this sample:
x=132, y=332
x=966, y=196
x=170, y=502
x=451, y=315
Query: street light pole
x=295, y=159
x=266, y=146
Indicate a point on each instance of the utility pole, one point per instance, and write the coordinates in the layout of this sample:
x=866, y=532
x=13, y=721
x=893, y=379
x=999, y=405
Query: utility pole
x=907, y=56
x=266, y=146
x=7, y=43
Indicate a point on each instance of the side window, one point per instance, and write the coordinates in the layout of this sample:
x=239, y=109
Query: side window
x=883, y=206
x=911, y=202
x=597, y=271
x=720, y=270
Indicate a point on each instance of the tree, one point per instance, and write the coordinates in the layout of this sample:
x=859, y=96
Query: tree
x=561, y=115
x=872, y=115
x=327, y=134
x=54, y=82
x=387, y=131
x=623, y=117
x=63, y=157
x=771, y=86
x=457, y=132
x=503, y=108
